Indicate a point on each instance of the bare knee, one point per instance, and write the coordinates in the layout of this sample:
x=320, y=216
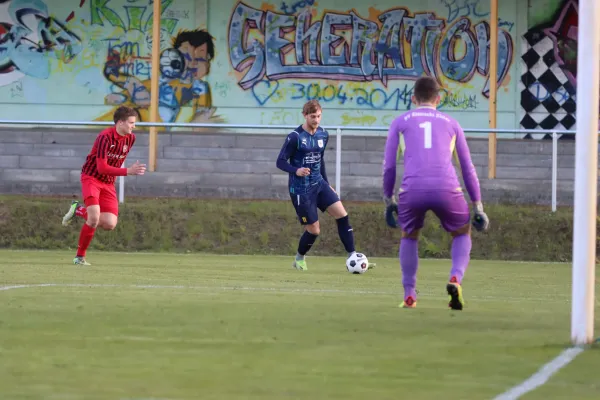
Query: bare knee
x=411, y=235
x=463, y=230
x=93, y=216
x=315, y=228
x=108, y=221
x=108, y=226
x=337, y=210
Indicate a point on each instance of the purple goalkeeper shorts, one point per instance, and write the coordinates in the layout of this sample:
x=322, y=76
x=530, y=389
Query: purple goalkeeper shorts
x=449, y=206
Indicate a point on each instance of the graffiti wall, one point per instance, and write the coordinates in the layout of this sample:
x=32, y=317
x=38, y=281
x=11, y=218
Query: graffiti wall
x=359, y=59
x=254, y=61
x=549, y=66
x=79, y=59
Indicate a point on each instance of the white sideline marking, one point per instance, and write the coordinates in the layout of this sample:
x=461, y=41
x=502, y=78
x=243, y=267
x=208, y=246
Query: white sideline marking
x=25, y=286
x=539, y=378
x=195, y=254
x=275, y=290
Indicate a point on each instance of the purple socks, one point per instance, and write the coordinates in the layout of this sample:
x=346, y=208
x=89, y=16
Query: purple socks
x=461, y=254
x=409, y=263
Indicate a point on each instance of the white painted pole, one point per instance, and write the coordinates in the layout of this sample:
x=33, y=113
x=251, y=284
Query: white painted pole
x=586, y=173
x=122, y=186
x=554, y=169
x=338, y=162
x=121, y=189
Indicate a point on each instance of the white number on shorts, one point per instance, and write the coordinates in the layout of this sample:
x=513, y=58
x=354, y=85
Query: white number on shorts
x=427, y=131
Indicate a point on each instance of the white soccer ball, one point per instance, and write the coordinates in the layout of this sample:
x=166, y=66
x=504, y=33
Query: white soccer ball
x=171, y=63
x=357, y=263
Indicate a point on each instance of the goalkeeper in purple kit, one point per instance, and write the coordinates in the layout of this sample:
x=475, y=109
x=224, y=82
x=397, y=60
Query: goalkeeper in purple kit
x=428, y=139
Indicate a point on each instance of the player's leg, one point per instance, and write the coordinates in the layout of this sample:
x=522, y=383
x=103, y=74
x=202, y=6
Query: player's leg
x=87, y=230
x=328, y=200
x=461, y=255
x=76, y=209
x=90, y=189
x=109, y=208
x=453, y=212
x=306, y=211
x=411, y=216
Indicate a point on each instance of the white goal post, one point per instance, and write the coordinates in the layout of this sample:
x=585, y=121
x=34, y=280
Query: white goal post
x=586, y=173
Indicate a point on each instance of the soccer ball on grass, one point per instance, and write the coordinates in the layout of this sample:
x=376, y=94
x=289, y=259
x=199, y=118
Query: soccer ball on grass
x=357, y=263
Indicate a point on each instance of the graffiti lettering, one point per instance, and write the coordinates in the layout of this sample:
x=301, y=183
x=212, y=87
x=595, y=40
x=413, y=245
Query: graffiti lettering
x=371, y=51
x=457, y=101
x=178, y=14
x=540, y=92
x=298, y=5
x=124, y=48
x=265, y=91
x=463, y=8
x=135, y=15
x=353, y=95
x=16, y=90
x=281, y=117
x=221, y=88
x=314, y=91
x=509, y=25
x=358, y=118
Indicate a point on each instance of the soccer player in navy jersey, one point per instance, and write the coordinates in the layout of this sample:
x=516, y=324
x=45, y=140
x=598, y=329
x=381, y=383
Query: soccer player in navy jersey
x=302, y=157
x=428, y=138
x=102, y=165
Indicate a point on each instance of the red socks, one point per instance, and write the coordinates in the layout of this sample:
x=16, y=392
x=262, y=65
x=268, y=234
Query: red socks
x=81, y=211
x=85, y=238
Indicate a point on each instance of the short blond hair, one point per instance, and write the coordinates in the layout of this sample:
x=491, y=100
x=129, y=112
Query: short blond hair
x=311, y=107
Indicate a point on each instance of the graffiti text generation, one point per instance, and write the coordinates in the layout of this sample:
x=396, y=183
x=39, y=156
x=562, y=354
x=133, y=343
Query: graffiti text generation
x=345, y=46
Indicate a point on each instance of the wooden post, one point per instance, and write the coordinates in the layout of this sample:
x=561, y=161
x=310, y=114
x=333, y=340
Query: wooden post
x=493, y=79
x=153, y=139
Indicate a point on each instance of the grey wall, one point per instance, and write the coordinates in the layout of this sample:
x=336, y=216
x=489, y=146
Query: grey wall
x=243, y=166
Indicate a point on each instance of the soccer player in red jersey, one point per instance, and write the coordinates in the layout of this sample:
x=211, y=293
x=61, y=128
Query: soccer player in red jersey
x=102, y=165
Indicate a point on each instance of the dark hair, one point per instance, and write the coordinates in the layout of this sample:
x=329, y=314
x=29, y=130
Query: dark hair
x=311, y=106
x=196, y=38
x=426, y=89
x=123, y=112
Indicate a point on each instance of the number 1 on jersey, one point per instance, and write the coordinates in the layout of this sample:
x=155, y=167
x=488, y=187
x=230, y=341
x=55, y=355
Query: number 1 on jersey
x=427, y=131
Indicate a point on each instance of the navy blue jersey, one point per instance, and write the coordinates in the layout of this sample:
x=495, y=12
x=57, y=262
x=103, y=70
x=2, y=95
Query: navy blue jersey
x=304, y=150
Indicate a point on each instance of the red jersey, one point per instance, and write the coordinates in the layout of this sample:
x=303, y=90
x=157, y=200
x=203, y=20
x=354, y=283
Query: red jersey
x=110, y=148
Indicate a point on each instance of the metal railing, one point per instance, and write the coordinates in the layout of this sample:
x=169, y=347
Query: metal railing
x=376, y=131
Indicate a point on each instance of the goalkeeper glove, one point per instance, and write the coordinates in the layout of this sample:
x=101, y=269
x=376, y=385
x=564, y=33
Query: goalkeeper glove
x=391, y=212
x=481, y=222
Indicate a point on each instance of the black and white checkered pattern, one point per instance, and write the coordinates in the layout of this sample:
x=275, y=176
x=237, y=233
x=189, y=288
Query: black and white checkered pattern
x=547, y=95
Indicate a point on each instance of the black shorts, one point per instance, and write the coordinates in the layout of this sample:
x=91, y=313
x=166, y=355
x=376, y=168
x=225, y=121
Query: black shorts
x=320, y=197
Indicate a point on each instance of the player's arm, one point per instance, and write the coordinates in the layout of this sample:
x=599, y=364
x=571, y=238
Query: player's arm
x=323, y=171
x=470, y=178
x=390, y=159
x=466, y=165
x=287, y=151
x=389, y=172
x=105, y=169
x=102, y=159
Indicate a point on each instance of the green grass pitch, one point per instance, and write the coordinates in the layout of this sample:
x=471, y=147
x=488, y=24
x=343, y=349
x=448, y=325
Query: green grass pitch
x=196, y=326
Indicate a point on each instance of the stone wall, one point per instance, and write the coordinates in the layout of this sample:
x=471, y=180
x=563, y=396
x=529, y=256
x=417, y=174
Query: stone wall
x=230, y=165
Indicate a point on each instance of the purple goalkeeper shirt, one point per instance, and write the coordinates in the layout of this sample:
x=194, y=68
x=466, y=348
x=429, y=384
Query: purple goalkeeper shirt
x=428, y=138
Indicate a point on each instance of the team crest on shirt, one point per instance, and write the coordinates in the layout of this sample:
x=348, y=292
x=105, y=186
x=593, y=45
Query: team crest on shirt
x=320, y=142
x=125, y=148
